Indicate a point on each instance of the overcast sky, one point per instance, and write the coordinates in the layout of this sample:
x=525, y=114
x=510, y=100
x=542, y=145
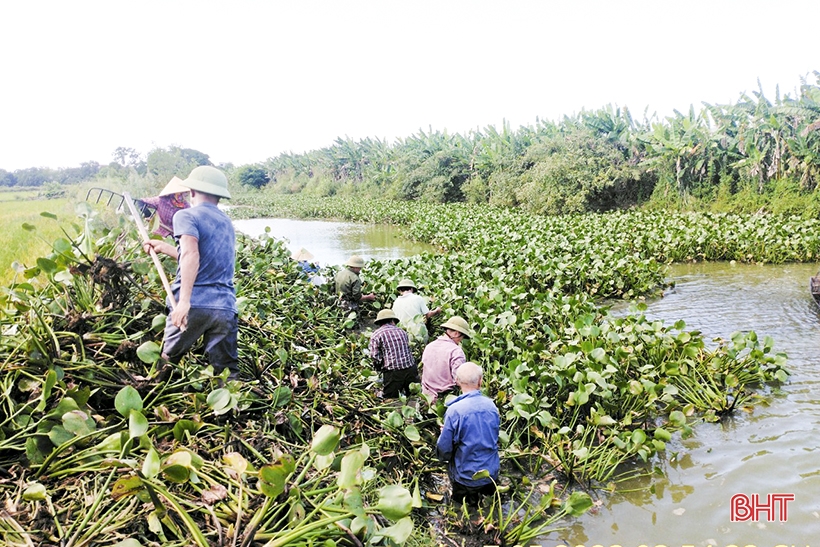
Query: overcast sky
x=245, y=81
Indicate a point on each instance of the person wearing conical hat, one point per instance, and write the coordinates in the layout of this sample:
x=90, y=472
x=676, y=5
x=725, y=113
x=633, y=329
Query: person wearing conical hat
x=412, y=311
x=204, y=287
x=390, y=353
x=349, y=284
x=305, y=260
x=442, y=357
x=172, y=198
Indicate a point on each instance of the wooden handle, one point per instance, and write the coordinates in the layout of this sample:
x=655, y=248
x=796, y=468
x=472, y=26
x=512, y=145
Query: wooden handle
x=144, y=235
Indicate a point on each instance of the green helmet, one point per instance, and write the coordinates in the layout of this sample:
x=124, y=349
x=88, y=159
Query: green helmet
x=208, y=180
x=355, y=261
x=406, y=284
x=458, y=324
x=385, y=315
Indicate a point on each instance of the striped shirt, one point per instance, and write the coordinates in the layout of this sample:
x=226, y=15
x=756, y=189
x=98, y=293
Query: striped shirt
x=390, y=348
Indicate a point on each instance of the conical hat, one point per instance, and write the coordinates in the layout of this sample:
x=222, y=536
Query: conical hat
x=173, y=187
x=302, y=254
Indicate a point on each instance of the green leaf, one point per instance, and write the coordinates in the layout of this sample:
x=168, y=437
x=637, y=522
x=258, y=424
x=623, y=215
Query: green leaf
x=62, y=245
x=130, y=542
x=577, y=504
x=126, y=486
x=137, y=424
x=151, y=465
x=281, y=396
x=183, y=426
x=482, y=474
x=399, y=532
x=236, y=461
x=46, y=214
x=219, y=399
x=352, y=463
x=29, y=227
x=47, y=265
x=353, y=502
x=412, y=433
x=676, y=417
x=149, y=352
x=48, y=385
x=273, y=478
x=78, y=422
x=59, y=435
x=34, y=492
x=176, y=473
x=325, y=440
x=127, y=399
x=662, y=435
x=158, y=322
x=395, y=501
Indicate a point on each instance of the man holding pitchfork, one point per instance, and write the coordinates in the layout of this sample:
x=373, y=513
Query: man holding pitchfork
x=203, y=288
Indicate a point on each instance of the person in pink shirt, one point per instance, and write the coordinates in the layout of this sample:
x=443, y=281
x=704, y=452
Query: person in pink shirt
x=174, y=197
x=442, y=357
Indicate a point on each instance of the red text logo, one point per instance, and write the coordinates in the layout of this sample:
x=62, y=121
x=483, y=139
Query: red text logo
x=753, y=508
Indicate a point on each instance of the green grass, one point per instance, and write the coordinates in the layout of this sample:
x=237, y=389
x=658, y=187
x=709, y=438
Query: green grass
x=18, y=195
x=23, y=246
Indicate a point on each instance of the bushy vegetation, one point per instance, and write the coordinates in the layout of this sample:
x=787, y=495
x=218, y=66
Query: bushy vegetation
x=98, y=447
x=736, y=156
x=755, y=154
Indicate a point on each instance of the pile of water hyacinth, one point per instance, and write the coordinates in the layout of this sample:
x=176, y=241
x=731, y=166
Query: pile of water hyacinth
x=96, y=450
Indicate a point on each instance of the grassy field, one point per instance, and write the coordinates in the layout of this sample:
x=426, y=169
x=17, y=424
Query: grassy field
x=18, y=195
x=23, y=246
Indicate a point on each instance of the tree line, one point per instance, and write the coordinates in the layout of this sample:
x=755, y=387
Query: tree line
x=758, y=153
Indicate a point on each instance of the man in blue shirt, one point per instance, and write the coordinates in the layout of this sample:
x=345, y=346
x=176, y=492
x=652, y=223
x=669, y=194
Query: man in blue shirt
x=203, y=288
x=469, y=438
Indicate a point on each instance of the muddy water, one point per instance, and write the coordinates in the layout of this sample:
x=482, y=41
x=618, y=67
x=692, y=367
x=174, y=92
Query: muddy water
x=775, y=448
x=332, y=243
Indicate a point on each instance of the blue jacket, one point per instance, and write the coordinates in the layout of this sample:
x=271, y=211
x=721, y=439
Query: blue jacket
x=469, y=440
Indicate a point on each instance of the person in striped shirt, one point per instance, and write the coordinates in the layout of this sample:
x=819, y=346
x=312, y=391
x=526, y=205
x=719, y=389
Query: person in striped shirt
x=390, y=353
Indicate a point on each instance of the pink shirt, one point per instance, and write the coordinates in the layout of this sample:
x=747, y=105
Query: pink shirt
x=440, y=360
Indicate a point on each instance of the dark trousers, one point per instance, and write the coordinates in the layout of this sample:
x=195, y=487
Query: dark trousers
x=217, y=328
x=398, y=381
x=472, y=494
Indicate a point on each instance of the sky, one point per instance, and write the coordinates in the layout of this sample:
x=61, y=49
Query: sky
x=243, y=81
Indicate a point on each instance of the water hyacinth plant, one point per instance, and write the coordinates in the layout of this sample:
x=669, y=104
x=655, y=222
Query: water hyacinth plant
x=304, y=452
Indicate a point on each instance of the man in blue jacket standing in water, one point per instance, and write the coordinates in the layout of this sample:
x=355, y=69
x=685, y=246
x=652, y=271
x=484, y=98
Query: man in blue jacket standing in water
x=203, y=288
x=469, y=438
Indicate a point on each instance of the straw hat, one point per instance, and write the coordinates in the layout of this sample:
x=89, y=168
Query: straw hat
x=301, y=255
x=457, y=323
x=173, y=187
x=208, y=180
x=385, y=315
x=355, y=261
x=407, y=284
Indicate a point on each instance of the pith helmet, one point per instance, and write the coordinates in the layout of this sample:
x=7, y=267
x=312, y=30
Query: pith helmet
x=385, y=315
x=355, y=261
x=406, y=284
x=209, y=180
x=173, y=187
x=457, y=323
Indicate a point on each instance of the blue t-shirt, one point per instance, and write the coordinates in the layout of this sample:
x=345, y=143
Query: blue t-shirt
x=213, y=229
x=469, y=439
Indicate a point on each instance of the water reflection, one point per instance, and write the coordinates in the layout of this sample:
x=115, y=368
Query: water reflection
x=332, y=243
x=768, y=448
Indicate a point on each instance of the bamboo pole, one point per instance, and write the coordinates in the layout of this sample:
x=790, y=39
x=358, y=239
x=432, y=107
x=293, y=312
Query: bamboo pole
x=144, y=235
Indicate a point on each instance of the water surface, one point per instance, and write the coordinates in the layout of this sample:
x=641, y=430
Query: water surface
x=774, y=448
x=332, y=243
